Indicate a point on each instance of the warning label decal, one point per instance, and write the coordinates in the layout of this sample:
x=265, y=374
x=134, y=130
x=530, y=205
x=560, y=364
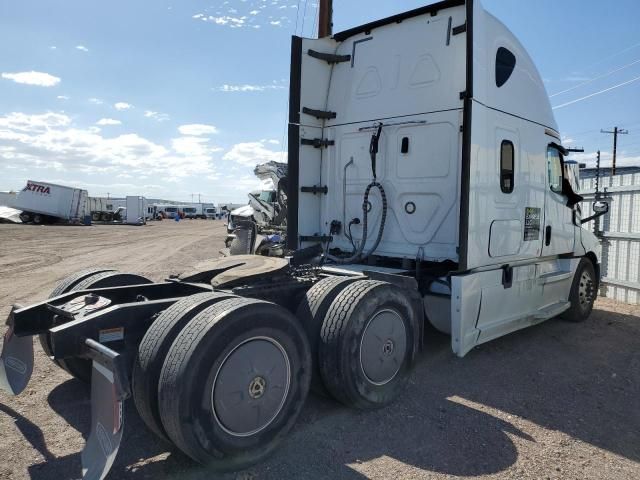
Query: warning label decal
x=531, y=224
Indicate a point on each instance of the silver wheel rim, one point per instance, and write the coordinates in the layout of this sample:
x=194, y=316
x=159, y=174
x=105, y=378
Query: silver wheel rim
x=251, y=386
x=586, y=292
x=383, y=347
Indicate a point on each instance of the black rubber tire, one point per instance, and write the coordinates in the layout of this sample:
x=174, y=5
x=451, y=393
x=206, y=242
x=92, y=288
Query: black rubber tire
x=186, y=390
x=37, y=218
x=341, y=341
x=25, y=217
x=95, y=216
x=80, y=368
x=153, y=349
x=311, y=313
x=580, y=311
x=61, y=288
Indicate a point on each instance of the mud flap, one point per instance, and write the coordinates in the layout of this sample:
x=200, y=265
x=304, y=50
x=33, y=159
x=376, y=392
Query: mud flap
x=109, y=389
x=16, y=360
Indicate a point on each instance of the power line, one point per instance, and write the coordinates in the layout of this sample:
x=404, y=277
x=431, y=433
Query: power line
x=587, y=82
x=616, y=131
x=624, y=50
x=596, y=93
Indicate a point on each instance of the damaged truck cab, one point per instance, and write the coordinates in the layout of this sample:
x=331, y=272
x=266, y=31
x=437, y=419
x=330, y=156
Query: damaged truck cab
x=426, y=183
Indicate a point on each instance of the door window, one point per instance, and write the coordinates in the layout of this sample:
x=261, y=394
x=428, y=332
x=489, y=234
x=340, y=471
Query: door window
x=554, y=169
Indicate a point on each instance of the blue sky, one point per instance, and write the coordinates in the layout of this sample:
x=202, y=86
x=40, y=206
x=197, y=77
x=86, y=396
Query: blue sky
x=166, y=98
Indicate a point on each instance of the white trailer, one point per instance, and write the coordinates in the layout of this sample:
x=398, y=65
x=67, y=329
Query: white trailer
x=193, y=210
x=169, y=210
x=43, y=202
x=426, y=184
x=136, y=210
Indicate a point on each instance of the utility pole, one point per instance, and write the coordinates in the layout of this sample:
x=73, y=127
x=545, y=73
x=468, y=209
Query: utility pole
x=616, y=131
x=325, y=18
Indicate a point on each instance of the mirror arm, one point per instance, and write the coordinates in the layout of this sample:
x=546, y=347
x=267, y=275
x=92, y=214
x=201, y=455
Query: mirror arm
x=596, y=215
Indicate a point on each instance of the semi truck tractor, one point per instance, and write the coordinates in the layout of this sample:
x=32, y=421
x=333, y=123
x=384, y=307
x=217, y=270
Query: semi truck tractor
x=426, y=185
x=44, y=202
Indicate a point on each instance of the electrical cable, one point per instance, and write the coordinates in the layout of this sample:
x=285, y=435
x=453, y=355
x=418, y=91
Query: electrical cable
x=595, y=78
x=597, y=93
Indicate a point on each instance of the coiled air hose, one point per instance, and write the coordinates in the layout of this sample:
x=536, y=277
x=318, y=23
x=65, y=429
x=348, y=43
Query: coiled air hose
x=357, y=255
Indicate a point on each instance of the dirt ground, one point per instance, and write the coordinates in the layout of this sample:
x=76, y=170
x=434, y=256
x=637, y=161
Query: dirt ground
x=558, y=400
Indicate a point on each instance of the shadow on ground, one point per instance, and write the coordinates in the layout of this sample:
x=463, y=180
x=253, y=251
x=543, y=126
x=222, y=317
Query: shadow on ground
x=580, y=379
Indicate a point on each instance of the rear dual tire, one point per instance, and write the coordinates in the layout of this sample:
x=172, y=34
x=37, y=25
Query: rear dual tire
x=368, y=343
x=234, y=382
x=153, y=350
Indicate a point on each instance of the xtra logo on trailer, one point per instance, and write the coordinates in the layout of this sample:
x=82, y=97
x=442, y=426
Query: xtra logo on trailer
x=34, y=187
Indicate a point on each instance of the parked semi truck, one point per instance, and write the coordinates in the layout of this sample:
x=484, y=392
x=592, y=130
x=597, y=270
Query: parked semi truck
x=426, y=184
x=44, y=202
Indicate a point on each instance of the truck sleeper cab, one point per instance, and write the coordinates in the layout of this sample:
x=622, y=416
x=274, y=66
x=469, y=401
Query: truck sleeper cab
x=425, y=183
x=444, y=109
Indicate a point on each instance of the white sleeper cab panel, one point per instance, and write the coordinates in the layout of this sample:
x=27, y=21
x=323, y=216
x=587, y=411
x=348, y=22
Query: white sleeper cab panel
x=409, y=79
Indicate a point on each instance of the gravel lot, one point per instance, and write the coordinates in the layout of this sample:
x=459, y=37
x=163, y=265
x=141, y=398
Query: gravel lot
x=557, y=400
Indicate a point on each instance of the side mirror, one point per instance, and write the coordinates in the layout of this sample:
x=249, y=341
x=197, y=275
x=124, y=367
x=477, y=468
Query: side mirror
x=600, y=207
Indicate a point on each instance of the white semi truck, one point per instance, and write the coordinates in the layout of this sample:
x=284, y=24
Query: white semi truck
x=426, y=184
x=44, y=202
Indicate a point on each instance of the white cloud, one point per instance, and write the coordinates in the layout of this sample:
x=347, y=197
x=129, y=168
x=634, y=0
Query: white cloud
x=39, y=141
x=39, y=79
x=53, y=47
x=194, y=147
x=249, y=88
x=122, y=106
x=252, y=153
x=160, y=117
x=108, y=121
x=96, y=101
x=197, y=129
x=62, y=97
x=82, y=48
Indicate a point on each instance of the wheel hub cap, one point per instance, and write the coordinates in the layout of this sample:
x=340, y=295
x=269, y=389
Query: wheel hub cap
x=383, y=347
x=257, y=387
x=251, y=386
x=586, y=292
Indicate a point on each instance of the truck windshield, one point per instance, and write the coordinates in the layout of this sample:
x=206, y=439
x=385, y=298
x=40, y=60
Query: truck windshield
x=267, y=196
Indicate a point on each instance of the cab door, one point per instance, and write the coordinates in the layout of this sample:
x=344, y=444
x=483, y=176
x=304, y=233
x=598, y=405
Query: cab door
x=558, y=233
